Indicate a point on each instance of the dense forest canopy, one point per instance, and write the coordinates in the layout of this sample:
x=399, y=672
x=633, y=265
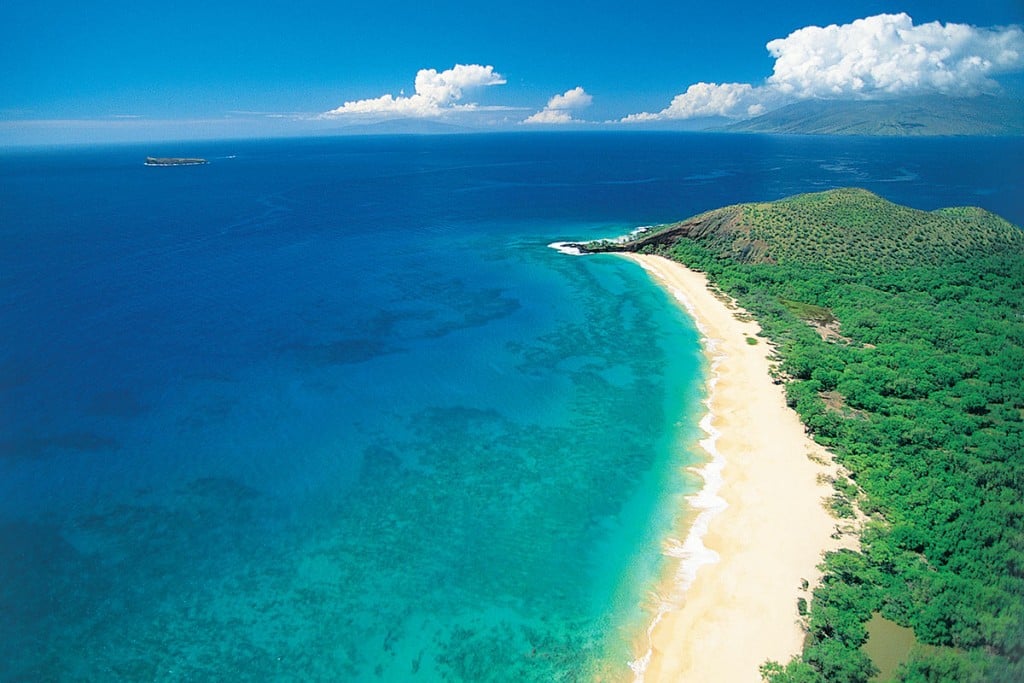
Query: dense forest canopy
x=900, y=335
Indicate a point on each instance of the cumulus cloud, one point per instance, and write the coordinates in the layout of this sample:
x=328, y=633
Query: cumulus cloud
x=714, y=99
x=550, y=116
x=577, y=98
x=436, y=94
x=731, y=100
x=560, y=107
x=886, y=55
x=641, y=117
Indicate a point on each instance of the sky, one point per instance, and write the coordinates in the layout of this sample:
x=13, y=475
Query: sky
x=115, y=70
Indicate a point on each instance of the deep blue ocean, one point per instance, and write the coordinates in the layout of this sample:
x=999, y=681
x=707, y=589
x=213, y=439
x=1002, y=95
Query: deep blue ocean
x=331, y=410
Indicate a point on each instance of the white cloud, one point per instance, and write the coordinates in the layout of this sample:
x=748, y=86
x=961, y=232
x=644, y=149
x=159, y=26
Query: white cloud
x=577, y=98
x=877, y=57
x=550, y=116
x=446, y=87
x=887, y=55
x=436, y=93
x=712, y=99
x=560, y=107
x=701, y=100
x=642, y=117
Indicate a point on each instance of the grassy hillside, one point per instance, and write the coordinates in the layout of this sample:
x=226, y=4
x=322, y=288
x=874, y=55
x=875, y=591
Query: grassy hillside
x=901, y=341
x=929, y=115
x=843, y=231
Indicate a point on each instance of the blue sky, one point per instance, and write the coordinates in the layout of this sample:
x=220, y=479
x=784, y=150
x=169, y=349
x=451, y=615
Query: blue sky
x=75, y=71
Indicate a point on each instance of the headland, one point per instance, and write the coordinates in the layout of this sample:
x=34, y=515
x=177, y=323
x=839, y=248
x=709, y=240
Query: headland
x=850, y=286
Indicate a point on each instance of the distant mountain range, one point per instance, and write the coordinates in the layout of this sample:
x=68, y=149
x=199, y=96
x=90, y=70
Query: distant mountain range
x=918, y=116
x=933, y=115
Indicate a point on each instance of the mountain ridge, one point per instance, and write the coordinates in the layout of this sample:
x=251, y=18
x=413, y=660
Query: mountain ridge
x=919, y=116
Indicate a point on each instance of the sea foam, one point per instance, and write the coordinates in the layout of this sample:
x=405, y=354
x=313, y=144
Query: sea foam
x=691, y=552
x=565, y=248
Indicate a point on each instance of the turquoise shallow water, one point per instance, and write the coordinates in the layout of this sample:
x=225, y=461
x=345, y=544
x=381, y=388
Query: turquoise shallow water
x=331, y=410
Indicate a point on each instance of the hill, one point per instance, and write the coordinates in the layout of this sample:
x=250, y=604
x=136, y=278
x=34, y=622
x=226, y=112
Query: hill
x=932, y=115
x=841, y=231
x=900, y=336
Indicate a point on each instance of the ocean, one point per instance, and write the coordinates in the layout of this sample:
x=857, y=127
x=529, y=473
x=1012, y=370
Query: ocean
x=331, y=409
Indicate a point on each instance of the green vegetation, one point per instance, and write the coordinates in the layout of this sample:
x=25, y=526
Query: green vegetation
x=917, y=391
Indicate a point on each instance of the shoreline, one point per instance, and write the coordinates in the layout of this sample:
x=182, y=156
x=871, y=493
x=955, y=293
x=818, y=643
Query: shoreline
x=757, y=528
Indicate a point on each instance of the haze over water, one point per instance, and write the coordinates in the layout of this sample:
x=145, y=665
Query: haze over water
x=330, y=409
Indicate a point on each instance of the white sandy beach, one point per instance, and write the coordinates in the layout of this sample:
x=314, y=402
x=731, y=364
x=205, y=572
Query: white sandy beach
x=742, y=609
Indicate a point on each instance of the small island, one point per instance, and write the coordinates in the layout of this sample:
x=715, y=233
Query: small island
x=174, y=161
